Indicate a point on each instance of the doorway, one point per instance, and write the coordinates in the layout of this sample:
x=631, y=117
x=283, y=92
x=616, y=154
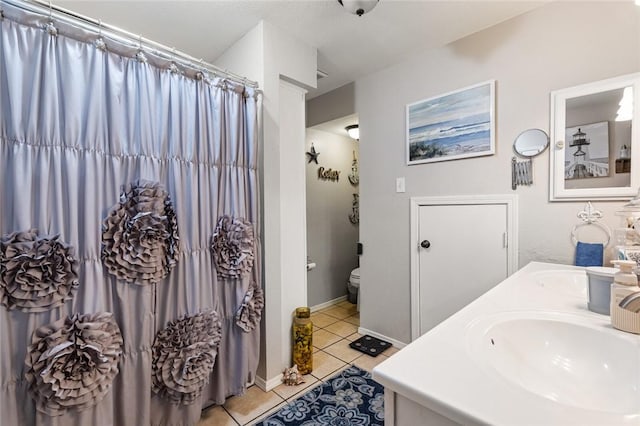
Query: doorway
x=332, y=188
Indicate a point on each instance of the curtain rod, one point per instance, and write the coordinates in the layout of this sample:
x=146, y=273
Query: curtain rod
x=122, y=36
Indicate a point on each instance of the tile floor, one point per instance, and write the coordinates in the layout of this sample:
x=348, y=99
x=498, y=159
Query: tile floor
x=334, y=328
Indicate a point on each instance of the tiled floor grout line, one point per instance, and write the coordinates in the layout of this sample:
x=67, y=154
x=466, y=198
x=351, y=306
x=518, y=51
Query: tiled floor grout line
x=230, y=415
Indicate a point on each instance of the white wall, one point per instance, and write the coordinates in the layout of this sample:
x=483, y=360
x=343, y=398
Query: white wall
x=292, y=192
x=270, y=56
x=562, y=44
x=331, y=237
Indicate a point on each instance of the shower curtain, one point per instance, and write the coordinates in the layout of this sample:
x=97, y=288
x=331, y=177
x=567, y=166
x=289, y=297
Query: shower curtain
x=80, y=124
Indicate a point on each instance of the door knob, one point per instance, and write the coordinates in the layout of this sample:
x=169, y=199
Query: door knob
x=425, y=244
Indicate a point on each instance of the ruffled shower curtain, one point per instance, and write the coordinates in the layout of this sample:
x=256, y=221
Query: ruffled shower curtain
x=80, y=126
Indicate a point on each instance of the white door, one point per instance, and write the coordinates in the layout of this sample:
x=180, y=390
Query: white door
x=462, y=251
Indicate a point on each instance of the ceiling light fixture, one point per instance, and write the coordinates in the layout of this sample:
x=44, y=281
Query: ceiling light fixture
x=358, y=7
x=353, y=131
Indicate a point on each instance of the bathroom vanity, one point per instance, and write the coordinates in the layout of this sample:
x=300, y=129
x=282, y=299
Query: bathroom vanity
x=527, y=352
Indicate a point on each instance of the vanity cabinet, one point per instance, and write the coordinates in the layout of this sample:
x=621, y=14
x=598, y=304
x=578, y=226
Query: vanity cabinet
x=401, y=411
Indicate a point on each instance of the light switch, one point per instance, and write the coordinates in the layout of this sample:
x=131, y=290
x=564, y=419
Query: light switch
x=400, y=184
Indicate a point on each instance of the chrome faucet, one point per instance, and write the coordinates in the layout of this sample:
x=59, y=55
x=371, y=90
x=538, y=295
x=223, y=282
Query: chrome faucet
x=631, y=302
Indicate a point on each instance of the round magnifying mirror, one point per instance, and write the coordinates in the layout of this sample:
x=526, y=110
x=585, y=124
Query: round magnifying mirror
x=531, y=143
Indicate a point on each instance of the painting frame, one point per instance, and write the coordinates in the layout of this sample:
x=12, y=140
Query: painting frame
x=598, y=148
x=452, y=126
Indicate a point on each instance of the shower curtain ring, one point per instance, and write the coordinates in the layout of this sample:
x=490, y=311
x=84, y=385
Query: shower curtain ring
x=99, y=43
x=140, y=56
x=50, y=28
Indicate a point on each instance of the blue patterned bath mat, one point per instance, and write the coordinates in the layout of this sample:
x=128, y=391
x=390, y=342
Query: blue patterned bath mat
x=349, y=398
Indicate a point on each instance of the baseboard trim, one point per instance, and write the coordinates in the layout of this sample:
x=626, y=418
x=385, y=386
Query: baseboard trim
x=396, y=343
x=267, y=385
x=329, y=303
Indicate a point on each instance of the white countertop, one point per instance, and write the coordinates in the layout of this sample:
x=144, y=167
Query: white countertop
x=438, y=371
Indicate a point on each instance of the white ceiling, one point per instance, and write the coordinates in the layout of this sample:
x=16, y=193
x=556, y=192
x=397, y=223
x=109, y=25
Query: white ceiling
x=348, y=46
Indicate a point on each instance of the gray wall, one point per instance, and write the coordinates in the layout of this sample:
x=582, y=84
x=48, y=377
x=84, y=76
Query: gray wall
x=331, y=237
x=562, y=44
x=335, y=104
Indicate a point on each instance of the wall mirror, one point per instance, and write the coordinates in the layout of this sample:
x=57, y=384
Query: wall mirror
x=595, y=144
x=531, y=143
x=528, y=144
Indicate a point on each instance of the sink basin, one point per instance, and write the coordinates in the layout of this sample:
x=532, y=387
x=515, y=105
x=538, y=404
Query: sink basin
x=570, y=283
x=555, y=356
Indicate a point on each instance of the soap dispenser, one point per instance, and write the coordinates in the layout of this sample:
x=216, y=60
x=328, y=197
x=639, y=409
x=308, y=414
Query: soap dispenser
x=625, y=282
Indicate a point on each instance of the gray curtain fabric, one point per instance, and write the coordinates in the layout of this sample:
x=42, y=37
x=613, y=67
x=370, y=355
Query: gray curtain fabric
x=79, y=124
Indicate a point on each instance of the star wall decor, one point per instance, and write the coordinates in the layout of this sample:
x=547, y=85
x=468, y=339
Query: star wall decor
x=313, y=155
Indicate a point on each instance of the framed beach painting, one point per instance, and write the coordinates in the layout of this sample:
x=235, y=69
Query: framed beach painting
x=452, y=126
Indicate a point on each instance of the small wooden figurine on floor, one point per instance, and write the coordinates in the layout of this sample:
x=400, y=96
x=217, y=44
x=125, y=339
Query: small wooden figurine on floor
x=291, y=376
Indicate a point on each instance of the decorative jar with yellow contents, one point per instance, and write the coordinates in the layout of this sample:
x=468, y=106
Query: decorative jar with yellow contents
x=303, y=340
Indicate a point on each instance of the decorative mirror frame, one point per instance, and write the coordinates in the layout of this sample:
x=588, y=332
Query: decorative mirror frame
x=557, y=190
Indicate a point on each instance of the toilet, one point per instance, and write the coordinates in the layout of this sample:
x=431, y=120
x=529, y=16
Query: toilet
x=354, y=286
